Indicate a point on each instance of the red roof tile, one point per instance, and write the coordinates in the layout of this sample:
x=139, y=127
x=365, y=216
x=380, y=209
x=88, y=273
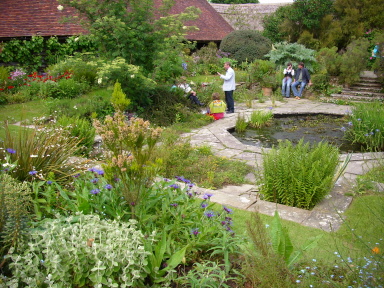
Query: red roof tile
x=20, y=18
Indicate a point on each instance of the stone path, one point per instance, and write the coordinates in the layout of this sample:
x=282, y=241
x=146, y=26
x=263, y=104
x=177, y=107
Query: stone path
x=327, y=214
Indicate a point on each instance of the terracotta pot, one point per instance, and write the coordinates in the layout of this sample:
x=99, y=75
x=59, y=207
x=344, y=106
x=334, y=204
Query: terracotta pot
x=267, y=91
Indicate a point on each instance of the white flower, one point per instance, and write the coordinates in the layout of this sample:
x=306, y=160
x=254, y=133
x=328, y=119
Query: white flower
x=34, y=156
x=133, y=76
x=74, y=107
x=99, y=80
x=60, y=7
x=76, y=39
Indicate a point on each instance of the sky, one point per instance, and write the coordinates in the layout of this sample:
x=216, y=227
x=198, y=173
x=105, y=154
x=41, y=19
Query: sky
x=276, y=1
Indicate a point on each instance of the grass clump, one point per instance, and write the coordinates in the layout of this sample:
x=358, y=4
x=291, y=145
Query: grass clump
x=298, y=176
x=201, y=166
x=260, y=118
x=241, y=124
x=367, y=125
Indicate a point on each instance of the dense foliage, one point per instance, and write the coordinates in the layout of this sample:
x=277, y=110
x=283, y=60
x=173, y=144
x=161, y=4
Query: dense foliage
x=299, y=176
x=233, y=1
x=246, y=45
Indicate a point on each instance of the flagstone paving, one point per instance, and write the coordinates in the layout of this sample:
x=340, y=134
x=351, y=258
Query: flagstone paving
x=327, y=215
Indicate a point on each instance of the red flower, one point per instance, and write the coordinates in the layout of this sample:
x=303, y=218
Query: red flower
x=10, y=87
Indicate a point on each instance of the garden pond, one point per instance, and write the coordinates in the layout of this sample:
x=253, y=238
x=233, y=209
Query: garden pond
x=312, y=127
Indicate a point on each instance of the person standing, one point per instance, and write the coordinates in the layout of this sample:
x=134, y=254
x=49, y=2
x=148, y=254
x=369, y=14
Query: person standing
x=229, y=86
x=302, y=77
x=286, y=84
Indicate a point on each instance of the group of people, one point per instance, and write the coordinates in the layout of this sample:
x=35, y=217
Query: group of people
x=291, y=78
x=217, y=107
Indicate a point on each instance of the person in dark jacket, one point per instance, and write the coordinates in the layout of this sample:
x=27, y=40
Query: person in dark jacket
x=302, y=78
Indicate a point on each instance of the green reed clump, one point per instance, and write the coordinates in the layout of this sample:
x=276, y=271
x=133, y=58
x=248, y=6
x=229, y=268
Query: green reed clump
x=38, y=151
x=367, y=125
x=260, y=118
x=298, y=176
x=241, y=124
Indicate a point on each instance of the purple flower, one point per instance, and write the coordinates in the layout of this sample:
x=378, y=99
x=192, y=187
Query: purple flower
x=76, y=175
x=166, y=180
x=195, y=231
x=94, y=180
x=350, y=123
x=207, y=196
x=204, y=205
x=100, y=172
x=11, y=151
x=343, y=129
x=185, y=66
x=95, y=191
x=108, y=186
x=228, y=210
x=116, y=179
x=49, y=182
x=33, y=172
x=182, y=179
x=190, y=195
x=174, y=204
x=132, y=204
x=358, y=119
x=371, y=133
x=209, y=214
x=175, y=186
x=270, y=108
x=377, y=130
x=366, y=135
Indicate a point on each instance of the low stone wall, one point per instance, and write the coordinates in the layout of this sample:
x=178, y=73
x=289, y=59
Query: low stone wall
x=246, y=16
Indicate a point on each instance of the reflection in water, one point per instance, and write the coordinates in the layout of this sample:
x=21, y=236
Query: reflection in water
x=312, y=127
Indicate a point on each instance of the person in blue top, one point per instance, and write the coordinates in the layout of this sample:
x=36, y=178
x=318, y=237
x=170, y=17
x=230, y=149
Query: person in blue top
x=229, y=86
x=302, y=78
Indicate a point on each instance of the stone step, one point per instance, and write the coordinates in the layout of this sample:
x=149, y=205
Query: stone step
x=363, y=89
x=367, y=84
x=362, y=93
x=357, y=97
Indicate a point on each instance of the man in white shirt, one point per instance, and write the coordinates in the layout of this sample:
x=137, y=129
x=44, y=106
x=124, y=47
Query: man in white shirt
x=229, y=86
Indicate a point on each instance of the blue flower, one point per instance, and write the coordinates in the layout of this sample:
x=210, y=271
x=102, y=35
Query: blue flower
x=185, y=66
x=33, y=172
x=209, y=214
x=366, y=135
x=195, y=231
x=11, y=151
x=174, y=204
x=228, y=210
x=377, y=130
x=94, y=180
x=76, y=175
x=343, y=129
x=371, y=133
x=108, y=186
x=175, y=186
x=207, y=196
x=100, y=172
x=204, y=205
x=350, y=123
x=49, y=182
x=358, y=119
x=95, y=191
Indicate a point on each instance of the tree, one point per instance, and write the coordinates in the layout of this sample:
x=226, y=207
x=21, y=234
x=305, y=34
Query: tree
x=132, y=29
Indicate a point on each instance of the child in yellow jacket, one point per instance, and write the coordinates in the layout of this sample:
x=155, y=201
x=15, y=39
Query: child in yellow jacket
x=217, y=107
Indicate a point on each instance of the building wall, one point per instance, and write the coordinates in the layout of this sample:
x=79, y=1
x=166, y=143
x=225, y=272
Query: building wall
x=246, y=16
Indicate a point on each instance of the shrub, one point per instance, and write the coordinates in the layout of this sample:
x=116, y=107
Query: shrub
x=134, y=84
x=367, y=125
x=330, y=59
x=81, y=129
x=298, y=176
x=258, y=70
x=80, y=251
x=320, y=82
x=69, y=88
x=119, y=99
x=292, y=52
x=83, y=68
x=354, y=61
x=246, y=45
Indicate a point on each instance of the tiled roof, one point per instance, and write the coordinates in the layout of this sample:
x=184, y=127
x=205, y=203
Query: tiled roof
x=20, y=18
